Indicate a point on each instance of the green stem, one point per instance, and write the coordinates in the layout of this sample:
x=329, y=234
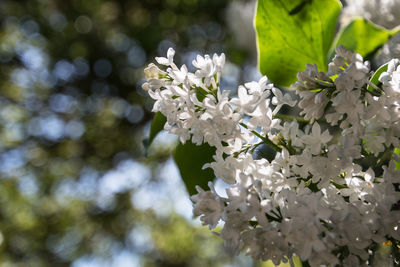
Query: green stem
x=378, y=93
x=264, y=139
x=338, y=186
x=290, y=118
x=296, y=118
x=255, y=146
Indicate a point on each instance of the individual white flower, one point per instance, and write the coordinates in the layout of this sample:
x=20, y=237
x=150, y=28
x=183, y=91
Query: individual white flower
x=219, y=61
x=283, y=161
x=391, y=78
x=291, y=133
x=153, y=84
x=208, y=205
x=237, y=197
x=348, y=103
x=316, y=140
x=351, y=69
x=262, y=117
x=279, y=100
x=333, y=118
x=312, y=104
x=311, y=208
x=311, y=79
x=153, y=72
x=169, y=60
x=221, y=117
x=374, y=143
x=258, y=209
x=358, y=188
x=325, y=169
x=252, y=94
x=378, y=109
x=224, y=168
x=235, y=223
x=179, y=76
x=207, y=67
x=303, y=164
x=348, y=148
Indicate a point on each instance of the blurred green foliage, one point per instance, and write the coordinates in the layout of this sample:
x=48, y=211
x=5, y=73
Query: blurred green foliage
x=72, y=120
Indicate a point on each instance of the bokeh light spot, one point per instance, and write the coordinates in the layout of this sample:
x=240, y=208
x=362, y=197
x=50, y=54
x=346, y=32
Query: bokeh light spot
x=64, y=70
x=74, y=129
x=134, y=113
x=57, y=21
x=63, y=103
x=102, y=68
x=82, y=67
x=136, y=56
x=83, y=24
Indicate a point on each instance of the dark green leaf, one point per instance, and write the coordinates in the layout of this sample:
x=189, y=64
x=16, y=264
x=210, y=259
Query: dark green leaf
x=190, y=160
x=363, y=37
x=293, y=33
x=157, y=125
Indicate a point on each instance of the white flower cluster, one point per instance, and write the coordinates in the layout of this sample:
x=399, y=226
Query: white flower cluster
x=329, y=195
x=382, y=12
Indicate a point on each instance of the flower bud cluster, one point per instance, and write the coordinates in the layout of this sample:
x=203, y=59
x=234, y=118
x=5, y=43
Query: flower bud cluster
x=329, y=195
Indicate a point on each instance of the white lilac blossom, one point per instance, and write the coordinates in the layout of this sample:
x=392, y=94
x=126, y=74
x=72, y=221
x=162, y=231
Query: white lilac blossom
x=331, y=192
x=385, y=13
x=352, y=71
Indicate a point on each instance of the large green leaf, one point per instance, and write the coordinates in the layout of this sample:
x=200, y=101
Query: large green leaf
x=190, y=160
x=157, y=125
x=293, y=33
x=363, y=37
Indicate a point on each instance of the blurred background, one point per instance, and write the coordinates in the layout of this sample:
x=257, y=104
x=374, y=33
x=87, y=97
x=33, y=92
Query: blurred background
x=75, y=186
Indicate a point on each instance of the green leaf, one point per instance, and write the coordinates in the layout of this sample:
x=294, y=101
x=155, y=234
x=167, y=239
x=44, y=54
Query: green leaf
x=190, y=160
x=375, y=78
x=363, y=37
x=157, y=125
x=293, y=33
